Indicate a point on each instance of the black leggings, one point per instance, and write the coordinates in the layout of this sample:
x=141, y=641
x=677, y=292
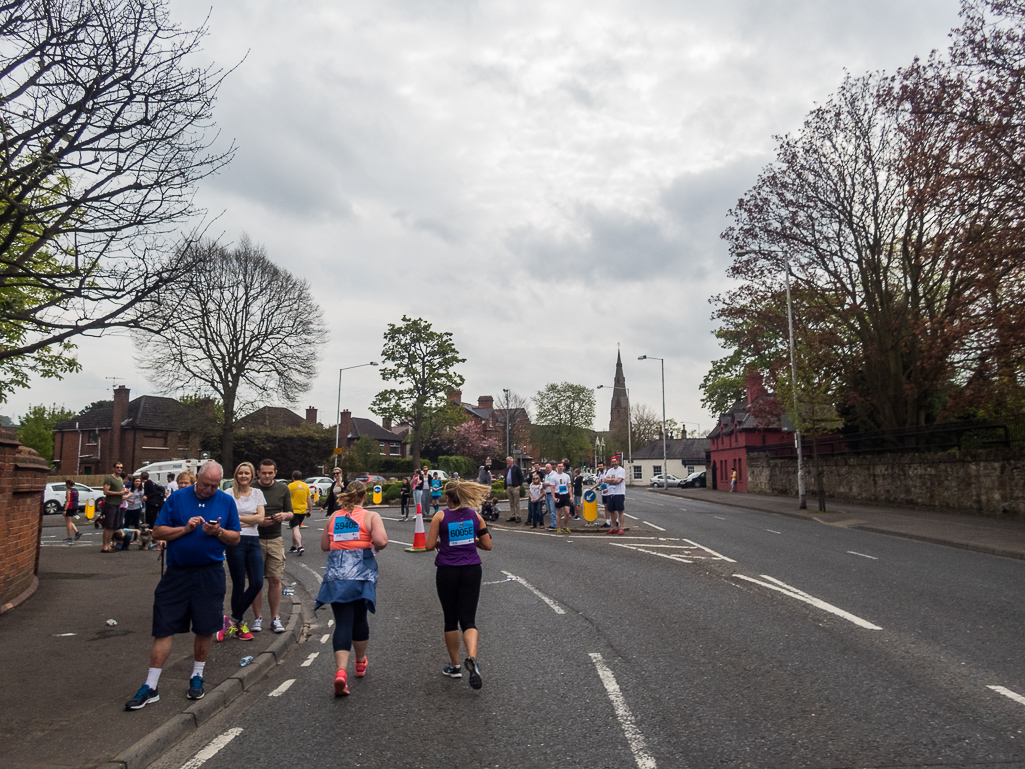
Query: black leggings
x=350, y=624
x=459, y=590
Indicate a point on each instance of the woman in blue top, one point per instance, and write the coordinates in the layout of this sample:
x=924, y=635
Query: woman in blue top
x=457, y=532
x=436, y=492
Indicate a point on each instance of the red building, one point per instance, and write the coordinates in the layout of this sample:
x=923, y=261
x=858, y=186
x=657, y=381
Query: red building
x=750, y=423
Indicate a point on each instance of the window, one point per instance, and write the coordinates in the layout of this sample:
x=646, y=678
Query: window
x=638, y=472
x=656, y=470
x=396, y=449
x=690, y=469
x=92, y=438
x=383, y=446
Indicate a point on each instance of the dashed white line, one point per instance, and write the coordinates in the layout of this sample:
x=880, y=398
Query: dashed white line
x=800, y=595
x=863, y=555
x=633, y=517
x=323, y=638
x=634, y=738
x=1008, y=693
x=670, y=556
x=719, y=517
x=551, y=603
x=330, y=623
x=309, y=660
x=212, y=749
x=282, y=689
x=773, y=531
x=649, y=523
x=404, y=544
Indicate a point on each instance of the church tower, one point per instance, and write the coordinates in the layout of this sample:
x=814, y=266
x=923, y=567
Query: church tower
x=620, y=417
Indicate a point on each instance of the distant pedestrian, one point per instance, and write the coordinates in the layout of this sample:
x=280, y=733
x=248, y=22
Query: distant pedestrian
x=615, y=480
x=458, y=532
x=245, y=560
x=559, y=482
x=513, y=482
x=578, y=493
x=418, y=487
x=184, y=480
x=114, y=492
x=302, y=503
x=436, y=492
x=733, y=480
x=350, y=538
x=277, y=510
x=405, y=493
x=550, y=496
x=136, y=500
x=484, y=473
x=331, y=503
x=197, y=523
x=604, y=488
x=71, y=512
x=535, y=501
x=172, y=485
x=154, y=494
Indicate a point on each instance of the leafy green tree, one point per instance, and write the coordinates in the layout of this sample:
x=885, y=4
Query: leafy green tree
x=564, y=416
x=368, y=454
x=422, y=362
x=36, y=429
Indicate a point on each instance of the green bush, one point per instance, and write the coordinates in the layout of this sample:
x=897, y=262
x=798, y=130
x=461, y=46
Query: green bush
x=498, y=487
x=457, y=464
x=391, y=492
x=396, y=465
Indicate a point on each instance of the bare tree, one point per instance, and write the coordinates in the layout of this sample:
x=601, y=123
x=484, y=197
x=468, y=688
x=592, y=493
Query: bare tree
x=242, y=331
x=104, y=133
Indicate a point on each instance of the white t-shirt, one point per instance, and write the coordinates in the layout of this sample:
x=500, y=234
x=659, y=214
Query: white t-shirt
x=615, y=472
x=560, y=483
x=248, y=506
x=171, y=486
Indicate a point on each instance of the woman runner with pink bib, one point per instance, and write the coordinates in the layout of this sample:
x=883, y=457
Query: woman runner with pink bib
x=457, y=532
x=350, y=538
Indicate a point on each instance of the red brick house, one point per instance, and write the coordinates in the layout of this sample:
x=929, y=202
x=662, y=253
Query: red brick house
x=148, y=429
x=493, y=422
x=750, y=423
x=351, y=429
x=275, y=418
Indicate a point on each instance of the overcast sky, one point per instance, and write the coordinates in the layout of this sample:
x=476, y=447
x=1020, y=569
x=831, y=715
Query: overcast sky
x=546, y=180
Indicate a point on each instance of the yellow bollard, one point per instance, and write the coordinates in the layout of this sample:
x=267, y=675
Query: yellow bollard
x=90, y=509
x=377, y=494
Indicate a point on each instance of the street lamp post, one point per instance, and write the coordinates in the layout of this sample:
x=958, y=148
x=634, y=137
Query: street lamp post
x=507, y=452
x=338, y=410
x=665, y=460
x=803, y=500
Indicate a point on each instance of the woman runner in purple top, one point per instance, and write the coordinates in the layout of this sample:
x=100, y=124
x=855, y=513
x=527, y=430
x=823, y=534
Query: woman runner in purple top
x=457, y=532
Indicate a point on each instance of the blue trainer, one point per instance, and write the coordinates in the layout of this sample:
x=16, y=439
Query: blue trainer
x=142, y=698
x=196, y=688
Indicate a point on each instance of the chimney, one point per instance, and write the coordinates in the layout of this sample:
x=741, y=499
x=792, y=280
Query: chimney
x=311, y=415
x=386, y=423
x=485, y=402
x=206, y=408
x=120, y=415
x=344, y=427
x=455, y=396
x=753, y=382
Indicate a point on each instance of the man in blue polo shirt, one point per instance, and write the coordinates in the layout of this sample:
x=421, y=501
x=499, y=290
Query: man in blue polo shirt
x=197, y=523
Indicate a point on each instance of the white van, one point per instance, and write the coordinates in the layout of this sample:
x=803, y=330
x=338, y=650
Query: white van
x=158, y=470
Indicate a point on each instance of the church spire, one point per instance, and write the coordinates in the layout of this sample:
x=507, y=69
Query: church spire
x=619, y=419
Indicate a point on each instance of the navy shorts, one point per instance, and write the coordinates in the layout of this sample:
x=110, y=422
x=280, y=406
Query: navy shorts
x=189, y=595
x=297, y=520
x=616, y=503
x=562, y=500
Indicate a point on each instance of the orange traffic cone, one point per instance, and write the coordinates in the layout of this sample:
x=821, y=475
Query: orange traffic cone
x=419, y=534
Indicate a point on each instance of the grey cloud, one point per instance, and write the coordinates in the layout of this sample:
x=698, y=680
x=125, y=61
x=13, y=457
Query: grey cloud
x=432, y=226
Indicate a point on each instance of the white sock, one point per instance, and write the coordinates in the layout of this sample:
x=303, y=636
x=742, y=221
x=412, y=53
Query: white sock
x=608, y=521
x=197, y=668
x=153, y=678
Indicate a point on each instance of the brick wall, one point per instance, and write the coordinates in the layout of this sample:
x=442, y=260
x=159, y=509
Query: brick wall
x=22, y=477
x=980, y=483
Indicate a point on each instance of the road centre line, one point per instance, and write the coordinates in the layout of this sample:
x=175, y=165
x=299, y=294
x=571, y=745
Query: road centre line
x=773, y=531
x=212, y=749
x=863, y=555
x=551, y=603
x=649, y=523
x=309, y=660
x=1008, y=693
x=633, y=735
x=800, y=595
x=282, y=689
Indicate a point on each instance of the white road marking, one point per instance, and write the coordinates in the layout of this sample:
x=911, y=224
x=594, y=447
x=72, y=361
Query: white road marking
x=863, y=555
x=323, y=638
x=709, y=550
x=634, y=517
x=719, y=517
x=552, y=604
x=330, y=623
x=309, y=660
x=1008, y=693
x=800, y=595
x=653, y=525
x=670, y=556
x=212, y=749
x=634, y=738
x=405, y=544
x=773, y=531
x=319, y=577
x=282, y=689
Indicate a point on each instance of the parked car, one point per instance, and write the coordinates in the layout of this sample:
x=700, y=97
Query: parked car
x=694, y=481
x=371, y=480
x=54, y=494
x=661, y=480
x=322, y=482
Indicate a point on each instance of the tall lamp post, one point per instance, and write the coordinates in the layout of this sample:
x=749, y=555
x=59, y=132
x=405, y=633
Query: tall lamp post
x=507, y=452
x=665, y=460
x=629, y=422
x=338, y=410
x=803, y=500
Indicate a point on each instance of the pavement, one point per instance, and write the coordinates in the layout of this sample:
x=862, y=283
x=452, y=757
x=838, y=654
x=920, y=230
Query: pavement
x=63, y=699
x=67, y=671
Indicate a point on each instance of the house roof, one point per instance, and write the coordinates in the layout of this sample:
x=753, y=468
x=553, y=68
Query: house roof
x=367, y=427
x=687, y=449
x=271, y=418
x=516, y=414
x=739, y=417
x=147, y=412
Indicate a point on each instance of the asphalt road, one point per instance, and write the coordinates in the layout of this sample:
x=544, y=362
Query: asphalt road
x=730, y=639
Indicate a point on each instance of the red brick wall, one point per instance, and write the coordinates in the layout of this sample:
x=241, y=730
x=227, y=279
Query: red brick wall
x=22, y=477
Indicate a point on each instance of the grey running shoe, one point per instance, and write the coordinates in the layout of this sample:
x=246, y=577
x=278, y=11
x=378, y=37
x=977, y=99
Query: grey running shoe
x=257, y=625
x=276, y=625
x=452, y=671
x=474, y=669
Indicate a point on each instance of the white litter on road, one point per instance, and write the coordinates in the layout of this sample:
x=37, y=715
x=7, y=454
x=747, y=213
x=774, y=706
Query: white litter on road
x=551, y=603
x=634, y=738
x=800, y=595
x=215, y=746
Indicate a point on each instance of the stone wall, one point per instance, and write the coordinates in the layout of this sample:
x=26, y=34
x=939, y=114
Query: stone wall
x=979, y=483
x=22, y=477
